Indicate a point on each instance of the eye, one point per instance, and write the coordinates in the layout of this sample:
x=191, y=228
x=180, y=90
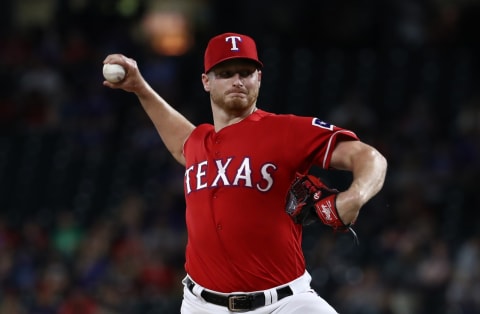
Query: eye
x=243, y=73
x=224, y=74
x=246, y=73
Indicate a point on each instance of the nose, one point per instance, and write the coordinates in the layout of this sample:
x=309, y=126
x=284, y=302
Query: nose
x=237, y=79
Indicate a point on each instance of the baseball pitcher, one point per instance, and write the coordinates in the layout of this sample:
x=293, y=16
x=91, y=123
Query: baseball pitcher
x=247, y=185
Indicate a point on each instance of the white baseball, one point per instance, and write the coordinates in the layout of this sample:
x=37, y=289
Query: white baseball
x=113, y=73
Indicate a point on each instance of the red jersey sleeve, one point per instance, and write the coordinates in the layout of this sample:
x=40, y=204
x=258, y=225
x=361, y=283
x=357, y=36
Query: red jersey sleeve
x=314, y=139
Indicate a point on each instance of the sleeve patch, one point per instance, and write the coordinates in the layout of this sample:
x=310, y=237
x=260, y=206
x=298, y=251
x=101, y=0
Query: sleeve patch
x=322, y=124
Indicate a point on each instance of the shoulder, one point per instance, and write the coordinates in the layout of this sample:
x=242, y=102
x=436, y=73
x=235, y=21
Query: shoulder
x=262, y=115
x=290, y=119
x=201, y=130
x=204, y=127
x=306, y=124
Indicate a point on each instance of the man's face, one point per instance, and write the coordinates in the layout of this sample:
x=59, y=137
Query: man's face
x=233, y=85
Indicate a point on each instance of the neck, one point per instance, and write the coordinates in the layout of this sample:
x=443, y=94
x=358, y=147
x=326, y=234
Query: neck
x=223, y=118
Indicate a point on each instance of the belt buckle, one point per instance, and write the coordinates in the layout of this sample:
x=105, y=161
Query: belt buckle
x=243, y=298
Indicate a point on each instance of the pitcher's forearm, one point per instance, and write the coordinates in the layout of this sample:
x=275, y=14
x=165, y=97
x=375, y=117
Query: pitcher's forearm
x=172, y=126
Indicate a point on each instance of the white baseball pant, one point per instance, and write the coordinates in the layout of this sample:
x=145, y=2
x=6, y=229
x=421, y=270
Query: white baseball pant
x=304, y=300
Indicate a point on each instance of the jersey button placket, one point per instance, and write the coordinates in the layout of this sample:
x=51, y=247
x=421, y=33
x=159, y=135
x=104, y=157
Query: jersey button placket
x=218, y=224
x=216, y=146
x=217, y=141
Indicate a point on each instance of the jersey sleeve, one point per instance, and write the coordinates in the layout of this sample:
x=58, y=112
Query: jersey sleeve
x=315, y=139
x=197, y=135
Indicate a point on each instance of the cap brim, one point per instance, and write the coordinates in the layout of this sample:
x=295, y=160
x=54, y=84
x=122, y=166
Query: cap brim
x=254, y=61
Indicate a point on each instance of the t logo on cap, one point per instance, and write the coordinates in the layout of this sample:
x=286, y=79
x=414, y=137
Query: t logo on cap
x=234, y=41
x=229, y=46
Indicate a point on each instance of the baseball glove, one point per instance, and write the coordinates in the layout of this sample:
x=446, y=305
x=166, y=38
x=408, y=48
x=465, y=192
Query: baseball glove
x=310, y=200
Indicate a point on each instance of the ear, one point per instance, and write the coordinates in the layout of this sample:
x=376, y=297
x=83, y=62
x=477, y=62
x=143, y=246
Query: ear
x=206, y=82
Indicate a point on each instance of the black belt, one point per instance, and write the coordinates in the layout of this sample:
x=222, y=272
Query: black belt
x=239, y=302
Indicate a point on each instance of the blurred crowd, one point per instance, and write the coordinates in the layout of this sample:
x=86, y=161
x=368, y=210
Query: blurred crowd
x=92, y=208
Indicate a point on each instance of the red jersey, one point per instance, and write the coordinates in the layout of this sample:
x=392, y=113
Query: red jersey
x=239, y=236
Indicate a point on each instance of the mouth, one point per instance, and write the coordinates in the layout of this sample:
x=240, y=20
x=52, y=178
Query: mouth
x=240, y=98
x=236, y=91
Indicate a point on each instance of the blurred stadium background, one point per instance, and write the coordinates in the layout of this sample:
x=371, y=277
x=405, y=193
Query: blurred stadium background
x=91, y=203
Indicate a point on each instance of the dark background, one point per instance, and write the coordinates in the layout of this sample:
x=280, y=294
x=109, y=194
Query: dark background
x=92, y=203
